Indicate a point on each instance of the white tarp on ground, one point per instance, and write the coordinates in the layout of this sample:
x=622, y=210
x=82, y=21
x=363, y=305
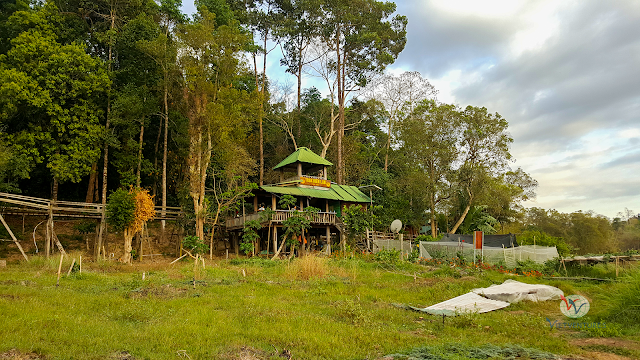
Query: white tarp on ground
x=469, y=302
x=514, y=291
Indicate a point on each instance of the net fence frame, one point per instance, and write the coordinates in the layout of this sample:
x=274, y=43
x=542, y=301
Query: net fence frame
x=392, y=244
x=492, y=255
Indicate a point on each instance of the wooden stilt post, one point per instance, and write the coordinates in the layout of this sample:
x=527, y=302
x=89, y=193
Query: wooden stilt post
x=236, y=244
x=13, y=237
x=328, y=231
x=275, y=239
x=268, y=238
x=368, y=247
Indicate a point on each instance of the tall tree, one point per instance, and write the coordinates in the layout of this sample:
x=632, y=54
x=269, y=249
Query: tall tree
x=400, y=95
x=209, y=62
x=429, y=141
x=164, y=51
x=362, y=42
x=299, y=30
x=50, y=102
x=484, y=149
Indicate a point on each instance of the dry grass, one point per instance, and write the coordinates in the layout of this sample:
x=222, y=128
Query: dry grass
x=308, y=267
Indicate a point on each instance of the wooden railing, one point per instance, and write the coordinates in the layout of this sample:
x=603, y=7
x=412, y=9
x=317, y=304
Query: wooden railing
x=27, y=205
x=320, y=218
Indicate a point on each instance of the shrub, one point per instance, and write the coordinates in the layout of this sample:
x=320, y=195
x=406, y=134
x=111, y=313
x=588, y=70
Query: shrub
x=428, y=238
x=389, y=256
x=194, y=245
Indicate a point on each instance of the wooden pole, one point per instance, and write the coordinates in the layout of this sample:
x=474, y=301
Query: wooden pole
x=275, y=239
x=328, y=240
x=80, y=263
x=617, y=258
x=47, y=240
x=59, y=269
x=13, y=237
x=71, y=267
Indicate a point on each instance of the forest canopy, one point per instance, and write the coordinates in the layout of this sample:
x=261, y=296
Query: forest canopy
x=100, y=95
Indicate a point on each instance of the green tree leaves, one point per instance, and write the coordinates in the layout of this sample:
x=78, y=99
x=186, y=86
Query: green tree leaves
x=50, y=103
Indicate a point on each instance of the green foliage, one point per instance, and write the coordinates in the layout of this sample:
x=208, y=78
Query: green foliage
x=50, y=97
x=531, y=236
x=297, y=223
x=250, y=236
x=85, y=227
x=194, y=245
x=622, y=304
x=585, y=232
x=121, y=207
x=287, y=201
x=414, y=255
x=420, y=238
x=390, y=256
x=357, y=219
x=479, y=220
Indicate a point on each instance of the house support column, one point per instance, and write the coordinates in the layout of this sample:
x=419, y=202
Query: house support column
x=328, y=240
x=275, y=239
x=273, y=202
x=235, y=243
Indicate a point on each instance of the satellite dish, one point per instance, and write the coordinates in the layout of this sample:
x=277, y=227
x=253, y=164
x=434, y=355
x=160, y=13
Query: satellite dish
x=396, y=226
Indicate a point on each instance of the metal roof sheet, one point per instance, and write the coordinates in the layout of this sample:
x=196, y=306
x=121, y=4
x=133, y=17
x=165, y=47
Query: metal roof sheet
x=303, y=155
x=336, y=192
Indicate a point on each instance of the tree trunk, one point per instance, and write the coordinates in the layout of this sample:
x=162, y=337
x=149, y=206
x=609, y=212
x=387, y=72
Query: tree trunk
x=275, y=256
x=128, y=237
x=340, y=167
x=54, y=192
x=103, y=222
x=464, y=214
x=154, y=191
x=92, y=183
x=434, y=231
x=139, y=156
x=299, y=90
x=164, y=165
x=386, y=155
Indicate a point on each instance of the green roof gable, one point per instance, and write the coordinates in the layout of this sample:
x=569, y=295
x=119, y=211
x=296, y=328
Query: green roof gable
x=303, y=155
x=336, y=192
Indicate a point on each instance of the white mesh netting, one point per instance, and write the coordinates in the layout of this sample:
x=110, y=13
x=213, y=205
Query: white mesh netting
x=388, y=244
x=491, y=255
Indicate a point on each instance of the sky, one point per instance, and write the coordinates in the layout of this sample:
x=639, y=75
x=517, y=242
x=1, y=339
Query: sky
x=565, y=74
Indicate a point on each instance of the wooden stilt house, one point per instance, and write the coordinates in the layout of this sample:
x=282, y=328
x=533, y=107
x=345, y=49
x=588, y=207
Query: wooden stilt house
x=303, y=175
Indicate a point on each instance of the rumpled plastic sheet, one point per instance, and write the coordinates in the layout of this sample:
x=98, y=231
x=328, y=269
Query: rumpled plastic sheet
x=514, y=291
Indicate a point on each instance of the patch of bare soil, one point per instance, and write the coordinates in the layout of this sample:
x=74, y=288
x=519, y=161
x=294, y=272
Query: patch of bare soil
x=14, y=354
x=597, y=355
x=609, y=342
x=122, y=355
x=605, y=348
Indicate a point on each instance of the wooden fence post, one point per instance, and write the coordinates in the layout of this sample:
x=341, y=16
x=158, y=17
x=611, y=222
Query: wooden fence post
x=13, y=237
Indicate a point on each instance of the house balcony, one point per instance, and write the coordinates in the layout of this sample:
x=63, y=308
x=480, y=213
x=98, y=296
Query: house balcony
x=320, y=218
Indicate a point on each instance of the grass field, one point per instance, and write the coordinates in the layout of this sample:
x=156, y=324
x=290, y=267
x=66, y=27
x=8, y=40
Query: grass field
x=312, y=308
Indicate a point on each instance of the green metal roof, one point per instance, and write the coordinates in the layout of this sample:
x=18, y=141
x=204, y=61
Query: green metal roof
x=336, y=192
x=303, y=155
